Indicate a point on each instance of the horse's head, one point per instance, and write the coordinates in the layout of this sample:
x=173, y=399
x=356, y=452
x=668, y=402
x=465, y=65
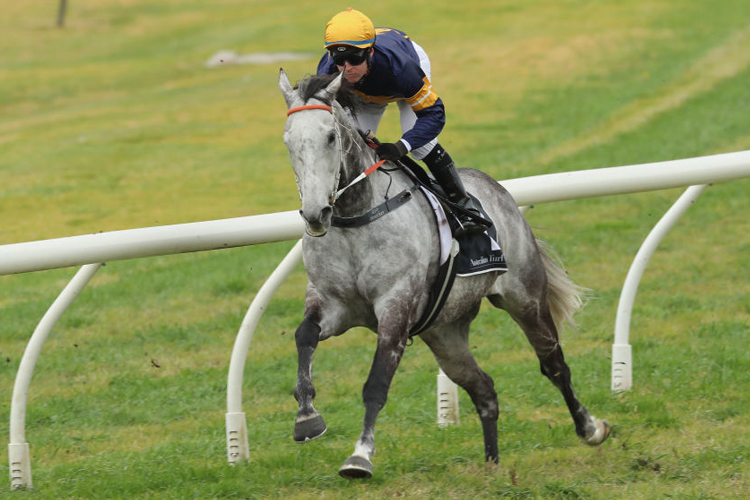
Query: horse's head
x=314, y=148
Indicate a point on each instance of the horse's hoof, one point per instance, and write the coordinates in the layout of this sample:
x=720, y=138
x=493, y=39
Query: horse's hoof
x=600, y=435
x=356, y=467
x=309, y=428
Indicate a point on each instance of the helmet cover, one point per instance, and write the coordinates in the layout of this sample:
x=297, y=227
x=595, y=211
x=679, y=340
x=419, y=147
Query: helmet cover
x=350, y=27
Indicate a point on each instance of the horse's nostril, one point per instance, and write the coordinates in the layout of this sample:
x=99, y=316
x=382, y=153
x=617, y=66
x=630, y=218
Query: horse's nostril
x=322, y=216
x=326, y=213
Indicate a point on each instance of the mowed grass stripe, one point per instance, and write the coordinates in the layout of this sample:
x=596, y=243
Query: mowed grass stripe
x=720, y=64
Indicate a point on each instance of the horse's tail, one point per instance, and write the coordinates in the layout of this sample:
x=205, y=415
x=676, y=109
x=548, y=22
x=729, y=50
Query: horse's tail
x=564, y=296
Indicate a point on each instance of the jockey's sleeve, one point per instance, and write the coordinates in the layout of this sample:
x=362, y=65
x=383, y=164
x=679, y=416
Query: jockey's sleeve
x=429, y=124
x=424, y=101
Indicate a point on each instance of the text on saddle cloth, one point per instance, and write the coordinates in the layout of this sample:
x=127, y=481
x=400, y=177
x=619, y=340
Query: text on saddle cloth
x=478, y=253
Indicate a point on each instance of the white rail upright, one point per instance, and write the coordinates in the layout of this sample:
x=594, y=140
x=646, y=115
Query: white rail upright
x=18, y=449
x=622, y=354
x=238, y=447
x=447, y=400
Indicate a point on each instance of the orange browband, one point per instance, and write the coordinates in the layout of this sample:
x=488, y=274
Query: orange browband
x=310, y=106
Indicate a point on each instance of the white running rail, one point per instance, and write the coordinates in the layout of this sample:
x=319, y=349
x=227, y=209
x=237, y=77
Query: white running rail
x=93, y=249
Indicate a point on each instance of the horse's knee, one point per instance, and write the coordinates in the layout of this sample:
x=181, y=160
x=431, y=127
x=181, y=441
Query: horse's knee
x=306, y=337
x=387, y=357
x=375, y=392
x=307, y=334
x=490, y=394
x=482, y=393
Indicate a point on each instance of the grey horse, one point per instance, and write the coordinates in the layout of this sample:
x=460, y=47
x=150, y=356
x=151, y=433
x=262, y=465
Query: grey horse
x=378, y=275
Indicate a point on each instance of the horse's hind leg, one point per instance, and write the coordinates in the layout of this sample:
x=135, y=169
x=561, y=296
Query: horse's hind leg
x=309, y=423
x=592, y=430
x=536, y=322
x=450, y=346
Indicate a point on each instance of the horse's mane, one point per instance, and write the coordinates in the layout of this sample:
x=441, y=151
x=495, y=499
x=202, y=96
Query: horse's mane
x=311, y=85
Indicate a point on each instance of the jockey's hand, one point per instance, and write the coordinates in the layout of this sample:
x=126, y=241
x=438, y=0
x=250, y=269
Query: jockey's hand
x=392, y=151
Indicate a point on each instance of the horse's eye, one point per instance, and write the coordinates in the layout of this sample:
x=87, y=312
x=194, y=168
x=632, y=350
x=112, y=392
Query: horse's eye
x=331, y=139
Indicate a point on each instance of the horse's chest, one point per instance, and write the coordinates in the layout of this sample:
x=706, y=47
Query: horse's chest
x=365, y=268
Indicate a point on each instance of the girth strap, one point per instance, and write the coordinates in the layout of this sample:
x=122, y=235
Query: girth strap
x=387, y=206
x=439, y=292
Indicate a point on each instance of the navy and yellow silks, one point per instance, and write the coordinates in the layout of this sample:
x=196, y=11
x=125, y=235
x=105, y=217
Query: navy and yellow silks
x=395, y=75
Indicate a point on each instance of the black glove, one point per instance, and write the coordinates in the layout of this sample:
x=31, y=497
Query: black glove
x=392, y=151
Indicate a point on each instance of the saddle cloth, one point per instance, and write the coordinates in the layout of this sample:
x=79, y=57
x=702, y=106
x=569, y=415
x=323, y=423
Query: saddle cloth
x=478, y=253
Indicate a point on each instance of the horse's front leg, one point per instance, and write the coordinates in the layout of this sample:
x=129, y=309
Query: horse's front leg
x=391, y=344
x=309, y=423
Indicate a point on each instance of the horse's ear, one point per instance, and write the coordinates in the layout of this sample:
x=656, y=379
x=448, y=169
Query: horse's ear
x=286, y=87
x=335, y=84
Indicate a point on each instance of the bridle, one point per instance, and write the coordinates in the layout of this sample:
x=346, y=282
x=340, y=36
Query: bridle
x=388, y=205
x=361, y=176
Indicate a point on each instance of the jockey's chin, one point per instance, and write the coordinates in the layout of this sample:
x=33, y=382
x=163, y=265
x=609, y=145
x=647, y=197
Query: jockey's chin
x=353, y=74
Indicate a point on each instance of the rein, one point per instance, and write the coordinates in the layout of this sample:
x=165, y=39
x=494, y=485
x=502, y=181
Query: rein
x=361, y=176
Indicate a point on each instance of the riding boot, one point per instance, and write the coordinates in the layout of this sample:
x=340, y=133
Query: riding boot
x=444, y=170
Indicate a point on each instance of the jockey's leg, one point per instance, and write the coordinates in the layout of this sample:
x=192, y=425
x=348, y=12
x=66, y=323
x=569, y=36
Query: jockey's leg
x=369, y=116
x=442, y=167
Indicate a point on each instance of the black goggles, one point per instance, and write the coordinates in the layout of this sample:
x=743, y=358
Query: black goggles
x=355, y=57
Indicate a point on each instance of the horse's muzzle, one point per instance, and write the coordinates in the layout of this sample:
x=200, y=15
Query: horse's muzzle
x=318, y=222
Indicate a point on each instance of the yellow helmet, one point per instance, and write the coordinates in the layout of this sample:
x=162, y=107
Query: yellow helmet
x=350, y=27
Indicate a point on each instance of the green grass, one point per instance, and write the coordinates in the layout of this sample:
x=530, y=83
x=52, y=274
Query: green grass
x=114, y=122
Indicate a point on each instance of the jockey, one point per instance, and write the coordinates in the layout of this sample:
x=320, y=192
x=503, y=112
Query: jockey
x=385, y=65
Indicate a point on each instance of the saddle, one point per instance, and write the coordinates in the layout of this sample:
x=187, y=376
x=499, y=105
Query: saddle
x=478, y=253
